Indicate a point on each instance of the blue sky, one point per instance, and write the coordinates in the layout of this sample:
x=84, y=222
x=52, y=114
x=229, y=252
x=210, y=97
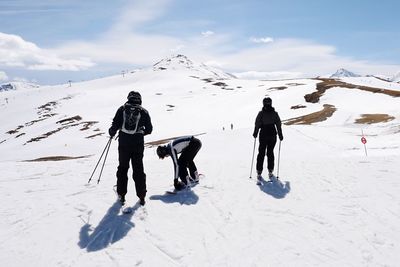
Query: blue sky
x=54, y=41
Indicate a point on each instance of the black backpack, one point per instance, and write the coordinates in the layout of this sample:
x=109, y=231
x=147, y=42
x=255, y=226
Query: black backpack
x=131, y=117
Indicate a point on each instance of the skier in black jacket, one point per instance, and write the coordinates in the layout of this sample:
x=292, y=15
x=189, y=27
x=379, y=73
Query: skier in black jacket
x=133, y=123
x=187, y=146
x=270, y=124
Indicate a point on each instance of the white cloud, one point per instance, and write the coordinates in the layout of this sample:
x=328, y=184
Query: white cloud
x=3, y=76
x=16, y=52
x=136, y=13
x=296, y=56
x=207, y=33
x=263, y=40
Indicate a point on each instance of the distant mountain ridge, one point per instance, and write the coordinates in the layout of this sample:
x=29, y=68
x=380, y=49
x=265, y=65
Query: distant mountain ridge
x=396, y=77
x=16, y=85
x=6, y=87
x=341, y=73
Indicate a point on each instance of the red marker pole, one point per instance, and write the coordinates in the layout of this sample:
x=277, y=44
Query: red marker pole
x=364, y=141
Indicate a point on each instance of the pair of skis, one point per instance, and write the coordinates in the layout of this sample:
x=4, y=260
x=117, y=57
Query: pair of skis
x=188, y=187
x=272, y=179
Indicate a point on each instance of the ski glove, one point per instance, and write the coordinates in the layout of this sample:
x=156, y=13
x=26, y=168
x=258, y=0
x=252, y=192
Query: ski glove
x=111, y=132
x=255, y=133
x=281, y=137
x=179, y=185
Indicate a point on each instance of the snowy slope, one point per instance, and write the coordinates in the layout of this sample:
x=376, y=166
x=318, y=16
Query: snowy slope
x=396, y=78
x=372, y=82
x=339, y=207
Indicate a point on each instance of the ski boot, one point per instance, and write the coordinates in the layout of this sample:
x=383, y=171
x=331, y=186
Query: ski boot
x=121, y=199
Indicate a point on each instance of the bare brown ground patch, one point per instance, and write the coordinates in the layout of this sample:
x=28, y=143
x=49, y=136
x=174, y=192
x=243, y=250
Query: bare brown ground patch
x=94, y=135
x=66, y=123
x=164, y=141
x=70, y=120
x=278, y=88
x=43, y=136
x=55, y=158
x=160, y=142
x=314, y=117
x=21, y=134
x=44, y=111
x=326, y=84
x=87, y=125
x=14, y=131
x=374, y=118
x=294, y=84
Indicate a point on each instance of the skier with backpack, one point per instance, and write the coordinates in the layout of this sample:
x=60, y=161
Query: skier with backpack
x=270, y=124
x=133, y=123
x=187, y=147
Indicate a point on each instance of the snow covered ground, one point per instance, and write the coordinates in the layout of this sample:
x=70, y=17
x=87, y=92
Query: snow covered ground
x=339, y=207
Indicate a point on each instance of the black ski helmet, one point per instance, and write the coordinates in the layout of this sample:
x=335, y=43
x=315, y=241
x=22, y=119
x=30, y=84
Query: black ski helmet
x=134, y=97
x=267, y=101
x=161, y=152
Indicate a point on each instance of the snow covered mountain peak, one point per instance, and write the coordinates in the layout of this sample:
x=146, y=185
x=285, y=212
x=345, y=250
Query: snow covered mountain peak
x=340, y=73
x=174, y=62
x=181, y=62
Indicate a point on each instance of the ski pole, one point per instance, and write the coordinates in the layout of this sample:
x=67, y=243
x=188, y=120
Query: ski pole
x=108, y=143
x=105, y=158
x=279, y=156
x=252, y=159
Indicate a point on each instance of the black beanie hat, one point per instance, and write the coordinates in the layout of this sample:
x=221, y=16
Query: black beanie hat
x=267, y=101
x=134, y=97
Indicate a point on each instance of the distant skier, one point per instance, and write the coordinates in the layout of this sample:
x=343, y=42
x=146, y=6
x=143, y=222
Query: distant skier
x=133, y=123
x=188, y=147
x=270, y=124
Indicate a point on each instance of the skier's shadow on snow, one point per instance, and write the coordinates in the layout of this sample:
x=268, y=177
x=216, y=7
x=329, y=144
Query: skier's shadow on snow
x=188, y=197
x=275, y=188
x=112, y=228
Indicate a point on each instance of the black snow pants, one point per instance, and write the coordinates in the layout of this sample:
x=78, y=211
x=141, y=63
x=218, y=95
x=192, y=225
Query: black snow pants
x=131, y=149
x=267, y=142
x=185, y=160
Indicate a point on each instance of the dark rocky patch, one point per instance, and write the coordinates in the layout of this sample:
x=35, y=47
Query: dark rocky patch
x=297, y=107
x=221, y=84
x=278, y=88
x=56, y=158
x=209, y=80
x=94, y=135
x=69, y=120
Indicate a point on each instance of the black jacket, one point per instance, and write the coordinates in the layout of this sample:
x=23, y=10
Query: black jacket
x=269, y=122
